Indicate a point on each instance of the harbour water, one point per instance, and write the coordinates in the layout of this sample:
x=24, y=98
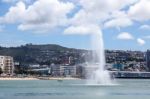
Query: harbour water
x=74, y=89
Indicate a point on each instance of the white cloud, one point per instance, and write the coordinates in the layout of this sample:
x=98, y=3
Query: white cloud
x=145, y=27
x=125, y=36
x=140, y=11
x=105, y=5
x=119, y=19
x=46, y=14
x=41, y=15
x=140, y=41
x=15, y=14
x=98, y=11
x=82, y=29
x=118, y=22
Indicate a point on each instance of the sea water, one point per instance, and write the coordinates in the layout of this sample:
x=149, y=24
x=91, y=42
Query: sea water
x=74, y=89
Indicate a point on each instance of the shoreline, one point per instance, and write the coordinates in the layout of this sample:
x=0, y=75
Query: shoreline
x=18, y=78
x=57, y=78
x=38, y=78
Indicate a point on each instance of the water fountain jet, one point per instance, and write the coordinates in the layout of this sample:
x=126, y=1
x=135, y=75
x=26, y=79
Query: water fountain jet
x=99, y=75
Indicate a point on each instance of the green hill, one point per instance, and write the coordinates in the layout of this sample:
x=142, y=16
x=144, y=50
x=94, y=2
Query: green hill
x=42, y=54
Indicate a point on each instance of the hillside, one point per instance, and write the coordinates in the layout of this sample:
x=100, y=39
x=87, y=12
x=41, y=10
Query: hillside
x=42, y=54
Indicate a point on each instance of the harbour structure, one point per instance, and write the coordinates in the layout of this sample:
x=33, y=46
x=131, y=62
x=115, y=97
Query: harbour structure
x=130, y=74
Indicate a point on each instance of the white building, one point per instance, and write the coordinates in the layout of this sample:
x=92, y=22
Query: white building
x=63, y=70
x=7, y=65
x=68, y=70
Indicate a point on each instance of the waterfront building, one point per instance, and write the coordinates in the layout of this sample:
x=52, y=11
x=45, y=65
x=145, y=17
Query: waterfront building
x=79, y=71
x=68, y=70
x=63, y=70
x=55, y=70
x=148, y=59
x=7, y=65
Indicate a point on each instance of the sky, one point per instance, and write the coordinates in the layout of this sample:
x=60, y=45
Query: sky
x=124, y=24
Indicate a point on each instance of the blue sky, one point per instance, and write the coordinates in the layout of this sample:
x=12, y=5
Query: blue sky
x=124, y=24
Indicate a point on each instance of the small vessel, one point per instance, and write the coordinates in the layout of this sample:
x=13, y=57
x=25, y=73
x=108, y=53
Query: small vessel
x=59, y=80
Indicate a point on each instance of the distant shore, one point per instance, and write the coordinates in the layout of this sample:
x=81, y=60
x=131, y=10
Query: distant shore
x=38, y=78
x=58, y=78
x=17, y=78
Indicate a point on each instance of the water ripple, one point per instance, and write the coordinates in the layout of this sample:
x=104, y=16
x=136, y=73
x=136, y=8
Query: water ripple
x=47, y=94
x=126, y=94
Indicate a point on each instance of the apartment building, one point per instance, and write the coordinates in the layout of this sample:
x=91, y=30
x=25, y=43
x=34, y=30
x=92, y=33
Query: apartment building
x=7, y=64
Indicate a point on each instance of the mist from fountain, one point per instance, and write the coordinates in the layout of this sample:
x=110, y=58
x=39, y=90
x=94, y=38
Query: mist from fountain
x=99, y=75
